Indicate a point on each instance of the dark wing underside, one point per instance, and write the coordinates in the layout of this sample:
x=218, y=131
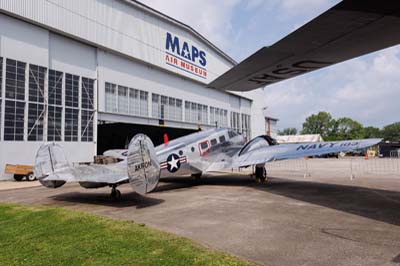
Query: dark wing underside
x=350, y=29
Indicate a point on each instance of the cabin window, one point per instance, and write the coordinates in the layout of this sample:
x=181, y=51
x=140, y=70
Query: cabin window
x=231, y=134
x=213, y=142
x=222, y=139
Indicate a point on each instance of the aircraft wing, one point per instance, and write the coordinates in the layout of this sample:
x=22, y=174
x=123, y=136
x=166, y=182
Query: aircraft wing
x=350, y=29
x=265, y=154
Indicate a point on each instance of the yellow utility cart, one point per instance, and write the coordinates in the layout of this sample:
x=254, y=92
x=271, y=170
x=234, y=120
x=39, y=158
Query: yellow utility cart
x=20, y=172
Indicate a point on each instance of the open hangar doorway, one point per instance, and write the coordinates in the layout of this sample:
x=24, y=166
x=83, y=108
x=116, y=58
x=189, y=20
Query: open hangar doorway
x=118, y=135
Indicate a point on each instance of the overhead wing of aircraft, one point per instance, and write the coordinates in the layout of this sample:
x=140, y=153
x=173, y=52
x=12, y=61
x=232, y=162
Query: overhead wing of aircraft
x=350, y=29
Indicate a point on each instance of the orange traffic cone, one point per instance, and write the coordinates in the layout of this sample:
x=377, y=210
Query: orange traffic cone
x=366, y=156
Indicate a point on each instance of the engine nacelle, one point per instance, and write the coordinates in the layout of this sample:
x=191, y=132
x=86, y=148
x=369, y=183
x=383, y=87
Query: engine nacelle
x=143, y=164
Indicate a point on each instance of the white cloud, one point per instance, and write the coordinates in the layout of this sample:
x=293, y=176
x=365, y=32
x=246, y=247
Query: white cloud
x=365, y=89
x=210, y=18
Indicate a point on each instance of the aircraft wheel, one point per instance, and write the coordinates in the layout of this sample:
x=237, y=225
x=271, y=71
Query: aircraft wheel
x=115, y=193
x=261, y=174
x=196, y=176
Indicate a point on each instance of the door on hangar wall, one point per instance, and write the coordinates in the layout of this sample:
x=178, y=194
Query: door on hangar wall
x=118, y=135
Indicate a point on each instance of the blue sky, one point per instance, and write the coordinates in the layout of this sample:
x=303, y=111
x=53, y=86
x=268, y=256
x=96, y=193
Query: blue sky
x=365, y=89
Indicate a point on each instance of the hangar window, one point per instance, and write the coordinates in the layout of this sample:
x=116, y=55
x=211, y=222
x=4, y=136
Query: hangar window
x=54, y=123
x=14, y=120
x=164, y=107
x=111, y=97
x=71, y=90
x=87, y=93
x=36, y=83
x=171, y=108
x=155, y=105
x=15, y=80
x=87, y=112
x=134, y=104
x=218, y=116
x=36, y=108
x=123, y=100
x=14, y=114
x=35, y=121
x=245, y=125
x=187, y=112
x=196, y=113
x=54, y=113
x=178, y=111
x=144, y=103
x=87, y=125
x=55, y=87
x=71, y=124
x=235, y=121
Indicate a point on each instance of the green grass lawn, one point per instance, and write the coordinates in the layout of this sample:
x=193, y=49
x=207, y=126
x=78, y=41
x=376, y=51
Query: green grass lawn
x=54, y=236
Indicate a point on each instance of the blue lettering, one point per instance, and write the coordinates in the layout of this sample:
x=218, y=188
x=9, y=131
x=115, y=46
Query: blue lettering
x=172, y=45
x=185, y=51
x=203, y=60
x=195, y=53
x=302, y=147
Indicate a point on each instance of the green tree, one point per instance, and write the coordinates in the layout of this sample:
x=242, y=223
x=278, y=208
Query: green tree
x=347, y=128
x=391, y=132
x=321, y=123
x=287, y=131
x=372, y=132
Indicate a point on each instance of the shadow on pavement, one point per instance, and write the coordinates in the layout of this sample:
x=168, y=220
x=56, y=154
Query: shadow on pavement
x=377, y=204
x=127, y=199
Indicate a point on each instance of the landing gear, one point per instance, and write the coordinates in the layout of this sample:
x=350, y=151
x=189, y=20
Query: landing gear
x=196, y=176
x=261, y=174
x=115, y=193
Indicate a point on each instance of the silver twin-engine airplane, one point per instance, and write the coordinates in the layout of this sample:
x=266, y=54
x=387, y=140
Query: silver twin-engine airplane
x=143, y=164
x=350, y=29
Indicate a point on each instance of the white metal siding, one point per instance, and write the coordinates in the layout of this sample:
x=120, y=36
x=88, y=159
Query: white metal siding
x=116, y=25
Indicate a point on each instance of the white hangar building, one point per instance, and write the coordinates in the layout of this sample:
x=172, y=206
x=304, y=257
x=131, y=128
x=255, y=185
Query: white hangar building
x=91, y=74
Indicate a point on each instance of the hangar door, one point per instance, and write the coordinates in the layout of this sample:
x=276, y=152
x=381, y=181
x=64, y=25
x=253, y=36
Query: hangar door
x=118, y=135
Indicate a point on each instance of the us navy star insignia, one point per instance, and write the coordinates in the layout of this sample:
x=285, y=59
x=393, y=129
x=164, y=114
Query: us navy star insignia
x=173, y=163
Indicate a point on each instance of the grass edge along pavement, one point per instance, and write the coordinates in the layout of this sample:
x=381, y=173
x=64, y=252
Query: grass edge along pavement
x=38, y=235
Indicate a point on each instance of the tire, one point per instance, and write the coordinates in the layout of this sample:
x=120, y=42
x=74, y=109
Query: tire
x=18, y=177
x=196, y=176
x=261, y=174
x=30, y=177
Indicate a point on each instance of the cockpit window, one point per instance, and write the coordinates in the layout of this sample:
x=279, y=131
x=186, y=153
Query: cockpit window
x=256, y=143
x=222, y=139
x=204, y=145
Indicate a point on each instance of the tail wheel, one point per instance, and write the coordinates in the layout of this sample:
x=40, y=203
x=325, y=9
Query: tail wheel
x=196, y=176
x=261, y=174
x=115, y=193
